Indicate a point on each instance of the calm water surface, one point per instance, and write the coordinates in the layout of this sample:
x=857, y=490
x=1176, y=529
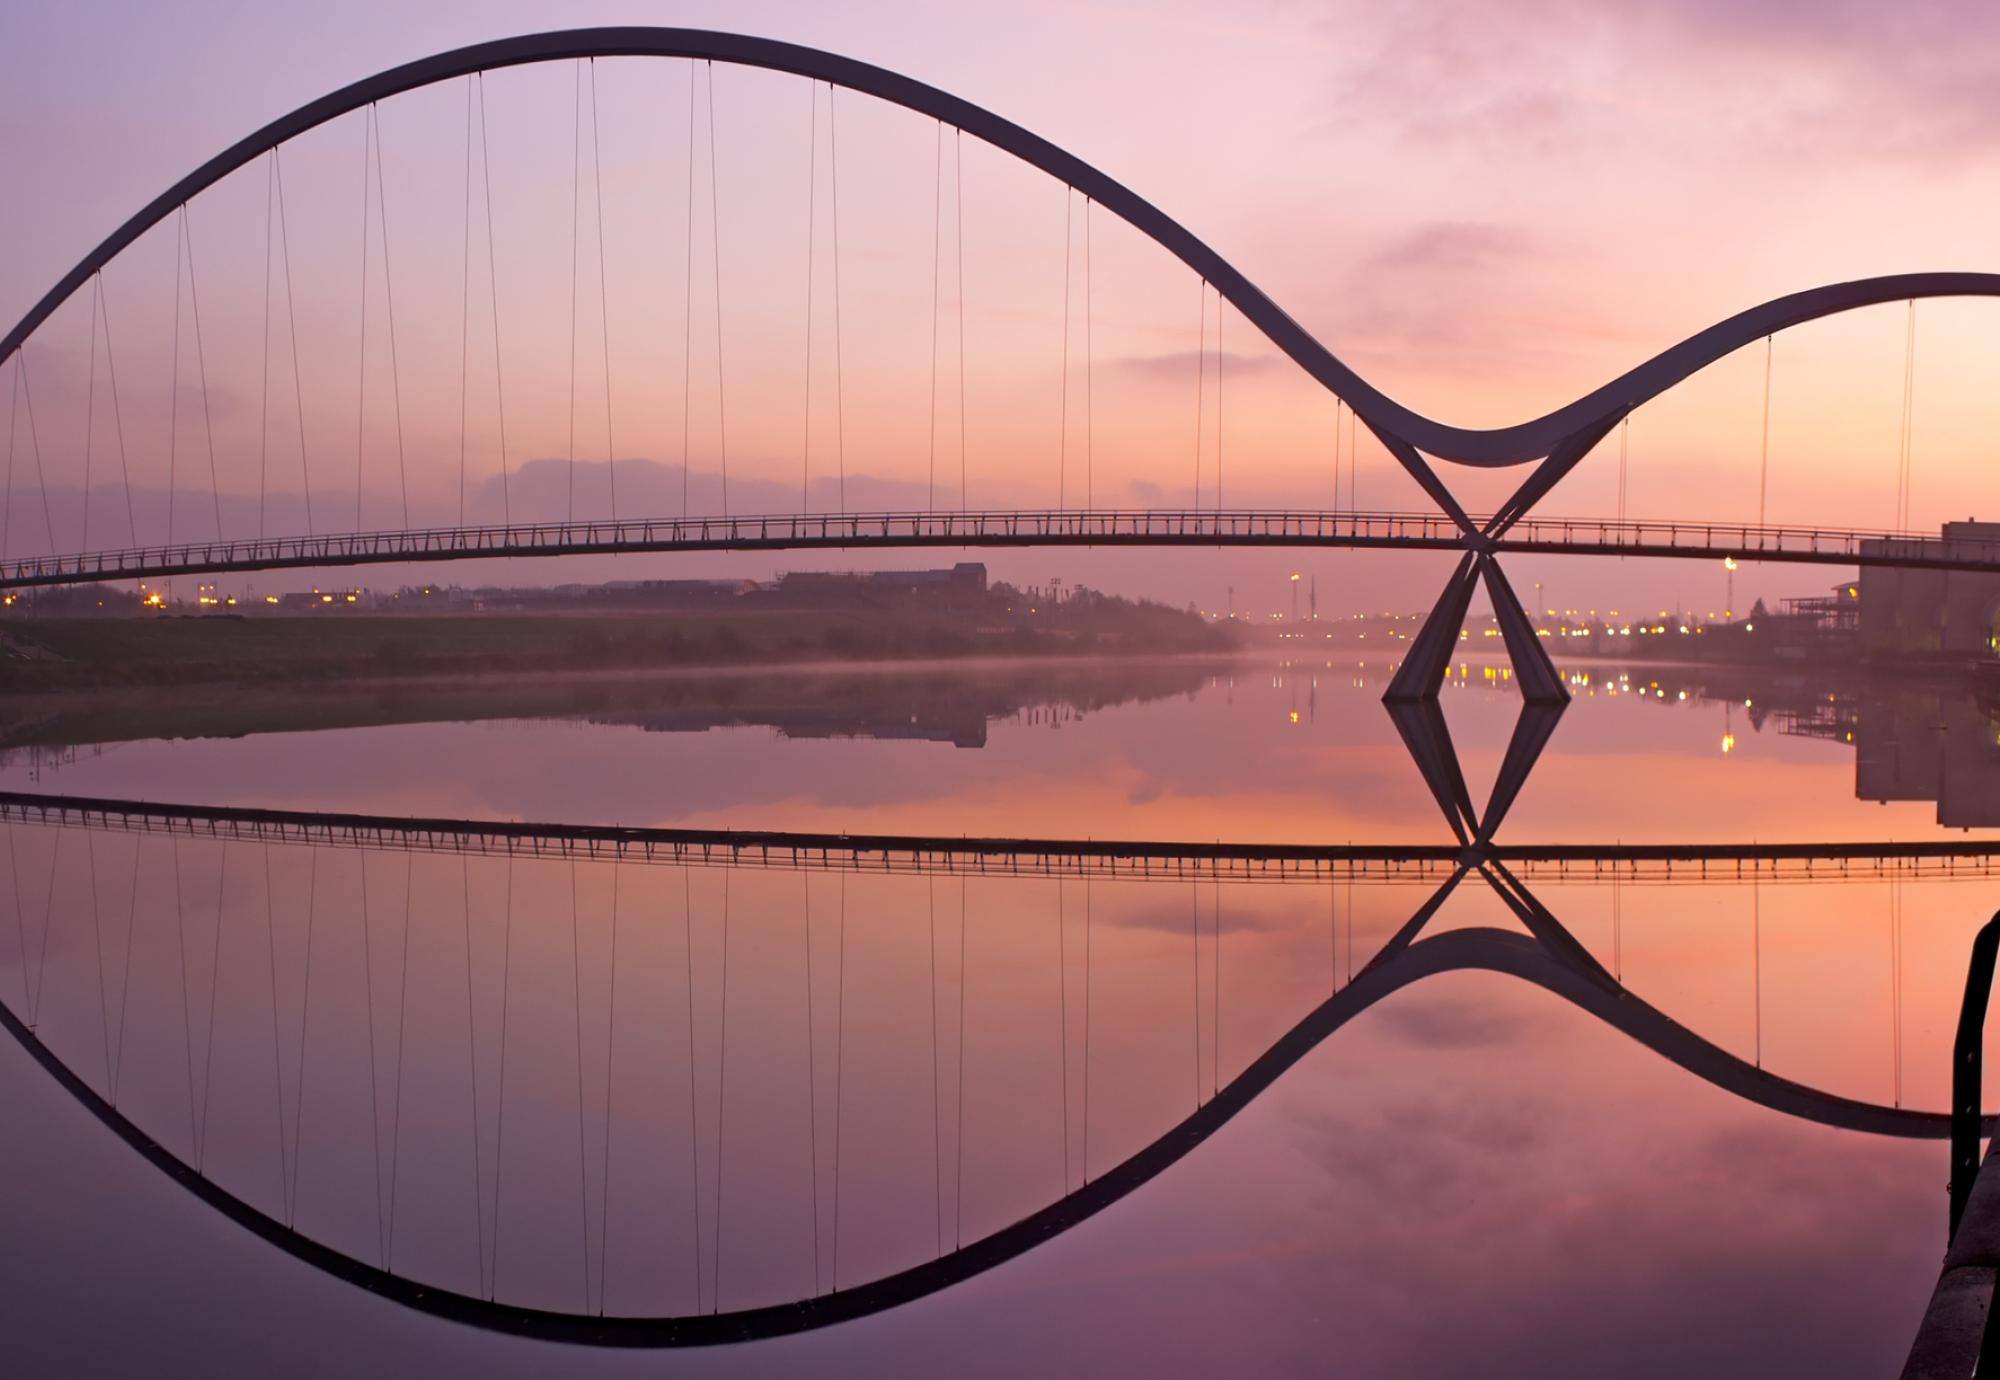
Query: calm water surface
x=654, y=1089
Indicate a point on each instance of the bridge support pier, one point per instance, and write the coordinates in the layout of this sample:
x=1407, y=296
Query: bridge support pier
x=1422, y=673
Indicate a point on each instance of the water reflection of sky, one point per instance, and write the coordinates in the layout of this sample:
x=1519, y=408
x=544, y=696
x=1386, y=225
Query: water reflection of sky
x=1472, y=1176
x=1183, y=753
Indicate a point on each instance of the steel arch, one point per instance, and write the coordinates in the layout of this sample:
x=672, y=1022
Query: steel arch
x=1511, y=445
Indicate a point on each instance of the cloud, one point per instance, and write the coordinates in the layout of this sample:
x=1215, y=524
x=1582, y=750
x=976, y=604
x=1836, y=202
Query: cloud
x=1876, y=81
x=1179, y=366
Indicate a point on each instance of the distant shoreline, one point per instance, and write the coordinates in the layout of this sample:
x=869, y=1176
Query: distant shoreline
x=57, y=655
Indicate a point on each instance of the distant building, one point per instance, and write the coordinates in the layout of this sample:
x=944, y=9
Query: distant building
x=963, y=583
x=1943, y=613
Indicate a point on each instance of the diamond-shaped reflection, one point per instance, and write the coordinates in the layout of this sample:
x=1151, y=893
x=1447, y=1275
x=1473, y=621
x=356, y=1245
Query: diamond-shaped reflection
x=1412, y=700
x=1421, y=723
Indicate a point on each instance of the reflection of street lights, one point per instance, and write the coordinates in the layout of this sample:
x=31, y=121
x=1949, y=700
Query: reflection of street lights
x=1295, y=596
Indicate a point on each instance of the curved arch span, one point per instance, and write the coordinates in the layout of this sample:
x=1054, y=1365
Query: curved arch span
x=1478, y=949
x=1510, y=445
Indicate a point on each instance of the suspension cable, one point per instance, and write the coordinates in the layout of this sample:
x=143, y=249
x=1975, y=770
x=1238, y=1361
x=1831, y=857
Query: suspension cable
x=687, y=359
x=604, y=326
x=958, y=1136
x=125, y=982
x=937, y=1133
x=812, y=1075
x=214, y=982
x=1906, y=447
x=374, y=1087
x=305, y=1014
x=201, y=367
x=292, y=320
x=1062, y=429
x=20, y=925
x=812, y=207
x=13, y=408
x=722, y=1100
x=937, y=218
x=263, y=370
x=90, y=412
x=1624, y=444
x=1353, y=459
x=687, y=936
x=715, y=248
x=500, y=1110
x=472, y=1068
x=839, y=1065
x=1089, y=398
x=610, y=1040
x=187, y=1018
x=1062, y=1024
x=1086, y=1030
x=582, y=1152
x=958, y=173
x=575, y=177
x=465, y=304
x=277, y=1058
x=35, y=445
x=402, y=1024
x=1339, y=416
x=839, y=377
x=173, y=380
x=1200, y=385
x=389, y=311
x=117, y=415
x=48, y=924
x=97, y=933
x=361, y=371
x=1194, y=947
x=1764, y=447
x=493, y=287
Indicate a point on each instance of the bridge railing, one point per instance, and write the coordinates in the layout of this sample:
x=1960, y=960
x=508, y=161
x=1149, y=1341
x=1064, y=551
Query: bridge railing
x=1957, y=1337
x=1019, y=527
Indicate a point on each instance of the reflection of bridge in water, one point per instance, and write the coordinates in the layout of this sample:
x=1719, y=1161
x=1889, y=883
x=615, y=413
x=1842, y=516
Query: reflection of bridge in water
x=1428, y=864
x=1543, y=953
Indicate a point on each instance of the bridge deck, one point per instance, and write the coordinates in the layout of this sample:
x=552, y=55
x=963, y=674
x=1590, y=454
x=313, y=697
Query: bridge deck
x=1104, y=859
x=1003, y=528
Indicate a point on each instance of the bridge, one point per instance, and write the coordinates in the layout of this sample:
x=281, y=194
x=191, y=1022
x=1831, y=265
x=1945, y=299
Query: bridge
x=1415, y=863
x=1150, y=527
x=412, y=448
x=276, y=851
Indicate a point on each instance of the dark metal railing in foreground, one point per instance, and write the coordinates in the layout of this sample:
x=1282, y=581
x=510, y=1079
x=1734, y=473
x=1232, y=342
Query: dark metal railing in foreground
x=1967, y=1061
x=1956, y=1338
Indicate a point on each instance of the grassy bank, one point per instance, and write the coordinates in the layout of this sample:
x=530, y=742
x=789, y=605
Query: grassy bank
x=58, y=654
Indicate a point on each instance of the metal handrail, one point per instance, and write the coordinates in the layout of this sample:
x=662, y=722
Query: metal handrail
x=1967, y=1060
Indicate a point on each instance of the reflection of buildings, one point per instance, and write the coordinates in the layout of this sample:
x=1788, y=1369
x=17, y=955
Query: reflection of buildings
x=1911, y=741
x=1930, y=747
x=921, y=719
x=947, y=704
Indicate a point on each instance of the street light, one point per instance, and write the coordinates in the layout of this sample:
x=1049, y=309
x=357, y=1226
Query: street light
x=1295, y=596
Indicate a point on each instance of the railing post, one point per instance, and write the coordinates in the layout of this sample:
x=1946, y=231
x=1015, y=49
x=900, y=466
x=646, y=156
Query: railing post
x=1966, y=1067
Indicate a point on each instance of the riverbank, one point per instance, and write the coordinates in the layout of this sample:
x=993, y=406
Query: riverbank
x=50, y=655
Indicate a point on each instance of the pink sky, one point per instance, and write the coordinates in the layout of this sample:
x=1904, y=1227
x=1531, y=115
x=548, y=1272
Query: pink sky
x=1484, y=215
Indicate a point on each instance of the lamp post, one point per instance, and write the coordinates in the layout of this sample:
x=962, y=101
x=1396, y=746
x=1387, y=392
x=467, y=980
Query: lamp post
x=1295, y=596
